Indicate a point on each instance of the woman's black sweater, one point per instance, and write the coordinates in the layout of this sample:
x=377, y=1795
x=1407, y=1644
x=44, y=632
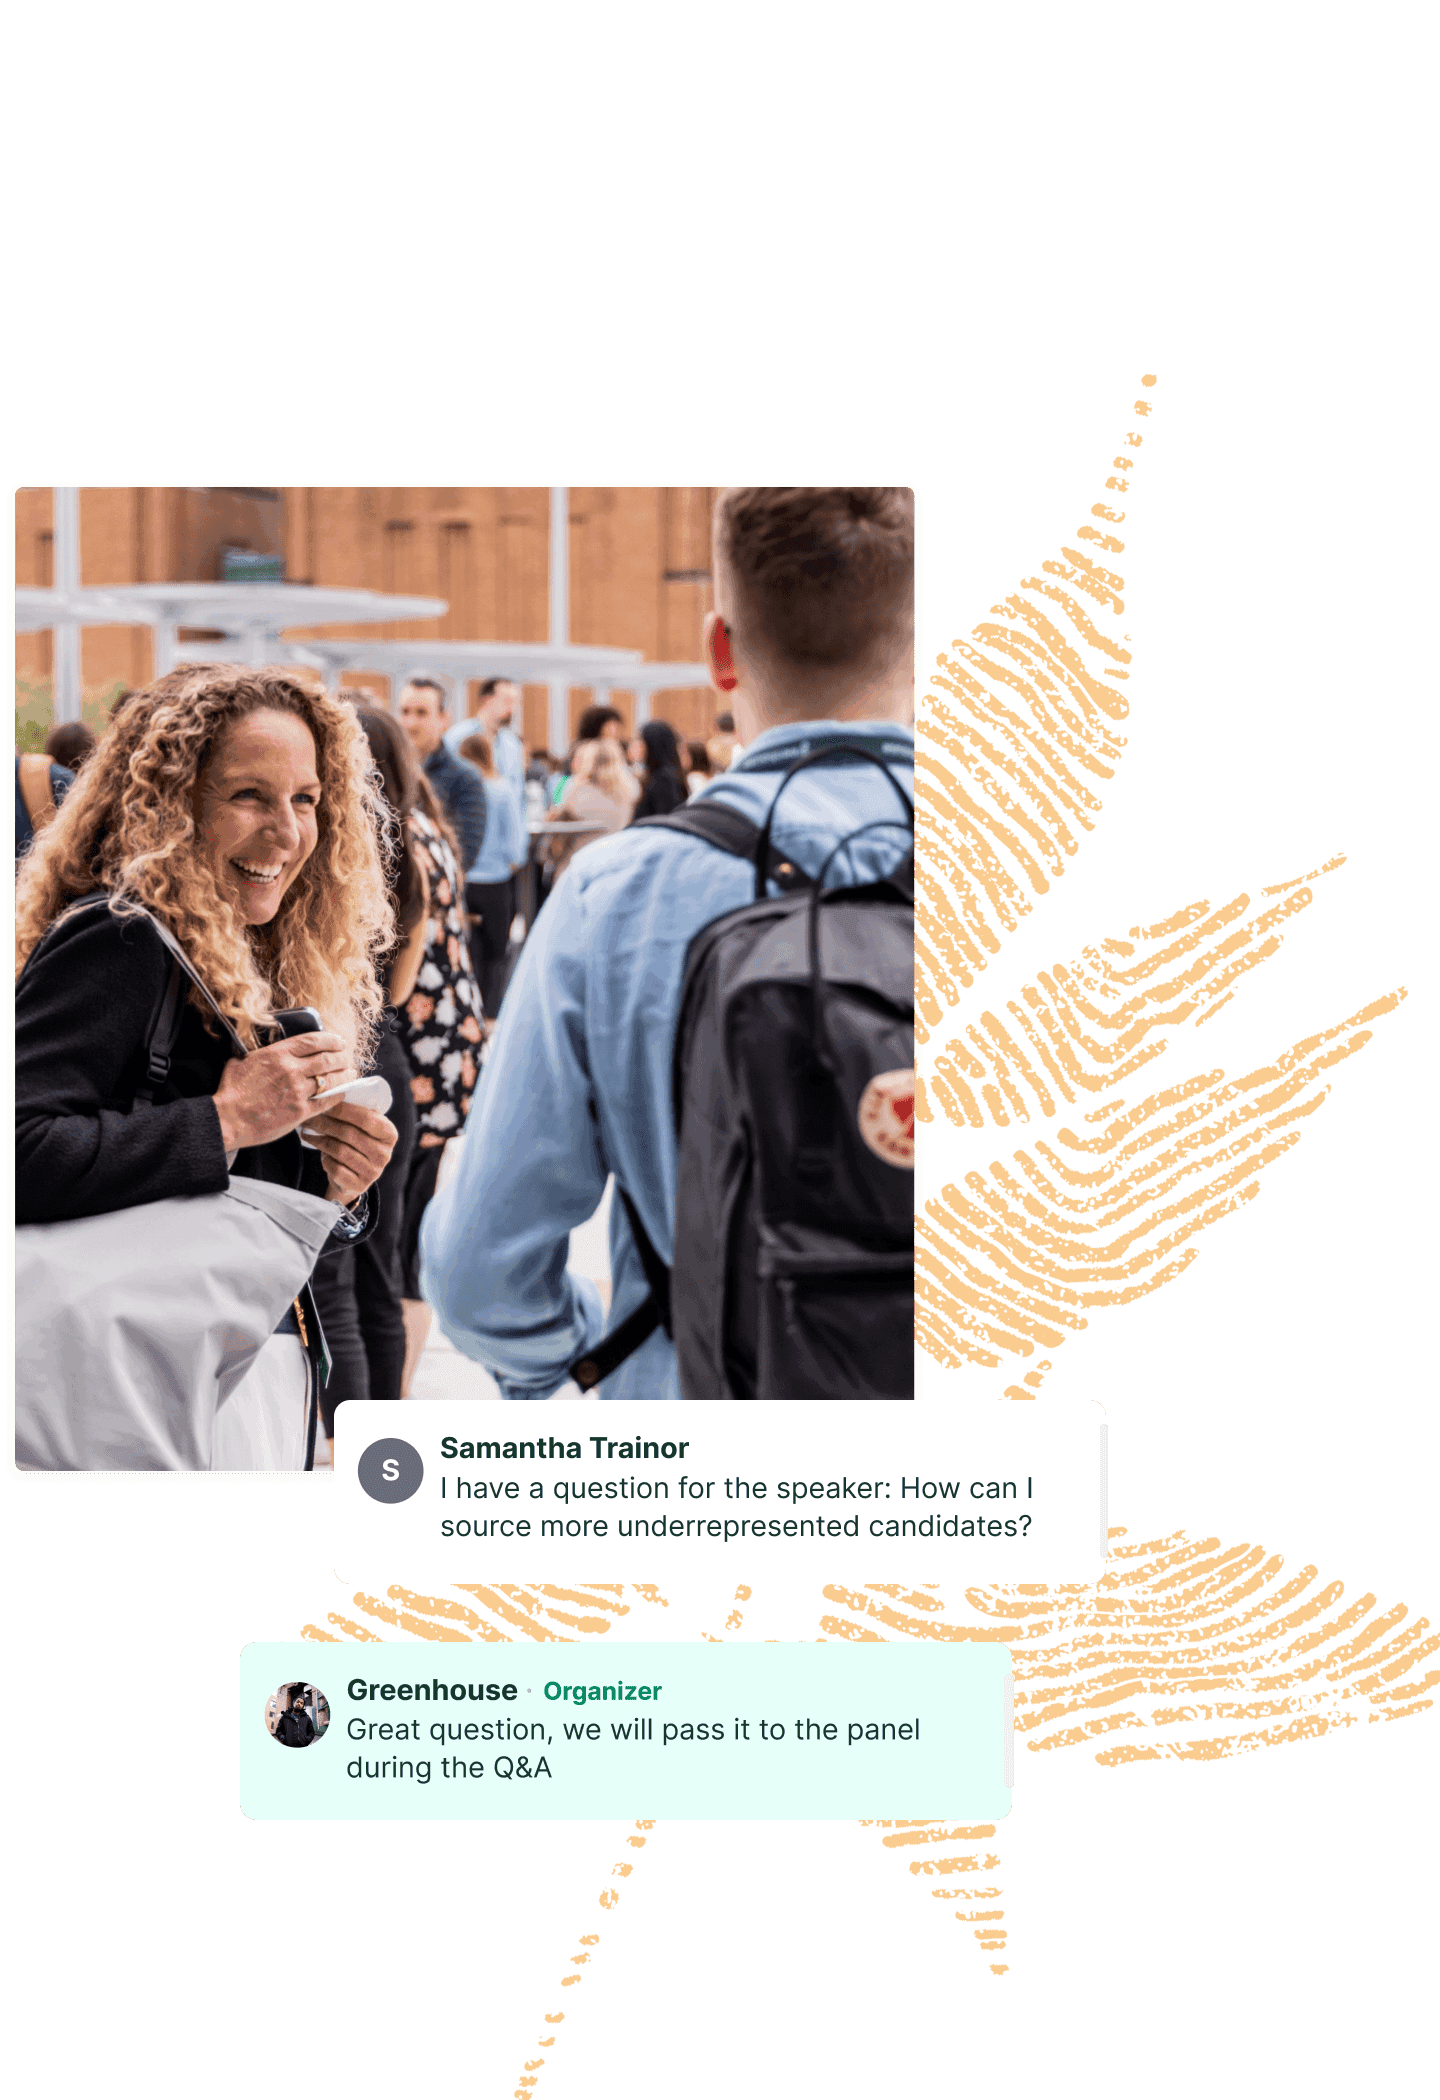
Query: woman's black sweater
x=83, y=1010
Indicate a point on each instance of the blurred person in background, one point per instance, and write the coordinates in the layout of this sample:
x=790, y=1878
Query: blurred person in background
x=812, y=643
x=440, y=1033
x=456, y=786
x=236, y=807
x=359, y=1293
x=700, y=771
x=544, y=778
x=723, y=748
x=490, y=879
x=41, y=785
x=601, y=720
x=602, y=790
x=665, y=787
x=499, y=701
x=70, y=744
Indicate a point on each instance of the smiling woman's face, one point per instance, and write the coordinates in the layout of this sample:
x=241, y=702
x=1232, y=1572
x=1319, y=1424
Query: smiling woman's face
x=257, y=810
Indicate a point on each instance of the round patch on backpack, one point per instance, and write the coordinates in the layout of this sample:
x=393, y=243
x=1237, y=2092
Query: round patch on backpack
x=887, y=1117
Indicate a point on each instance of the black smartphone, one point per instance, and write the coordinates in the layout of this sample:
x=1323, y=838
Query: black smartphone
x=297, y=1020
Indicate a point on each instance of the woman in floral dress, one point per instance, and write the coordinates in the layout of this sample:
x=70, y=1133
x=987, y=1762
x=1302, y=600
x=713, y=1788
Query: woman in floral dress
x=440, y=1033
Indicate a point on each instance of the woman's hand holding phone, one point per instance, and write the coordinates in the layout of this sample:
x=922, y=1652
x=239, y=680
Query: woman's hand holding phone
x=270, y=1092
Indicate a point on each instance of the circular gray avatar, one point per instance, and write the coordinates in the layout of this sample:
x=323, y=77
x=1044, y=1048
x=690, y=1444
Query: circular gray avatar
x=391, y=1470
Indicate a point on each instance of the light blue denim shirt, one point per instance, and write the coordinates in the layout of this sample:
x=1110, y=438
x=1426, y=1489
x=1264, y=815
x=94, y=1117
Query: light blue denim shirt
x=506, y=840
x=577, y=1081
x=509, y=754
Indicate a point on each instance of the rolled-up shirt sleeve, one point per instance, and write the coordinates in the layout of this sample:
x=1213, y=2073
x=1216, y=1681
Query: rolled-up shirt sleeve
x=496, y=1239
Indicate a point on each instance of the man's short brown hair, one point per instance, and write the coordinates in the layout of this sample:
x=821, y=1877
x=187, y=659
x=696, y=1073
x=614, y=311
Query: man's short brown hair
x=423, y=684
x=826, y=576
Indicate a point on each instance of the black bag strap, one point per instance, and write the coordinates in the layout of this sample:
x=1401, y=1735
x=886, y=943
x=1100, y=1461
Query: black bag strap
x=717, y=824
x=182, y=961
x=825, y=755
x=588, y=1370
x=317, y=1359
x=163, y=1029
x=161, y=1035
x=656, y=1273
x=900, y=884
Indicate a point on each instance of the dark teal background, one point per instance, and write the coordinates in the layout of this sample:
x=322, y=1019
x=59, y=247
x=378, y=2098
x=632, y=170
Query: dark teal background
x=773, y=242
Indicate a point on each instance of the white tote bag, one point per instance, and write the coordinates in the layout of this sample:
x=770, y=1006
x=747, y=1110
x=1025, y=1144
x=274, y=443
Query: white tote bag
x=133, y=1329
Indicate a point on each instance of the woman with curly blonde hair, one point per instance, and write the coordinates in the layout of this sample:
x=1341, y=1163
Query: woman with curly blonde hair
x=237, y=809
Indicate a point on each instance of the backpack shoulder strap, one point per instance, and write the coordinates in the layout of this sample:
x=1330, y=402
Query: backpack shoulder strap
x=588, y=1370
x=899, y=884
x=719, y=824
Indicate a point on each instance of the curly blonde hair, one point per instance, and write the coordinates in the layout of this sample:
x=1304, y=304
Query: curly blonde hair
x=128, y=825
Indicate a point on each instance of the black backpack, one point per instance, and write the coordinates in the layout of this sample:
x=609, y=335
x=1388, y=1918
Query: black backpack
x=793, y=1089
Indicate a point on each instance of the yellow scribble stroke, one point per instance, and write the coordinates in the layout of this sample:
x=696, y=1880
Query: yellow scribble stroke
x=961, y=1860
x=1021, y=722
x=1089, y=1025
x=529, y=2077
x=501, y=1611
x=1018, y=1258
x=1188, y=1648
x=1184, y=1648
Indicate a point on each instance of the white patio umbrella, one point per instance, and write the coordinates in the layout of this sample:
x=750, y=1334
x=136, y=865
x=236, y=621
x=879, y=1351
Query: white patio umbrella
x=249, y=617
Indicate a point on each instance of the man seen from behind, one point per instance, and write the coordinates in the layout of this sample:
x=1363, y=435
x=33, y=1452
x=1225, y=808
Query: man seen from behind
x=811, y=645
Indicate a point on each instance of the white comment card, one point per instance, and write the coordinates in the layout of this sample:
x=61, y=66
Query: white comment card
x=862, y=1490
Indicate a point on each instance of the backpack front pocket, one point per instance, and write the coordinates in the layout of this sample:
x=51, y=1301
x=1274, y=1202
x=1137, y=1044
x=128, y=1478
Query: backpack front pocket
x=836, y=1328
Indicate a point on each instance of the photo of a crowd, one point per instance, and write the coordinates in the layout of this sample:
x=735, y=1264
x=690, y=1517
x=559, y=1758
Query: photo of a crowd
x=422, y=1016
